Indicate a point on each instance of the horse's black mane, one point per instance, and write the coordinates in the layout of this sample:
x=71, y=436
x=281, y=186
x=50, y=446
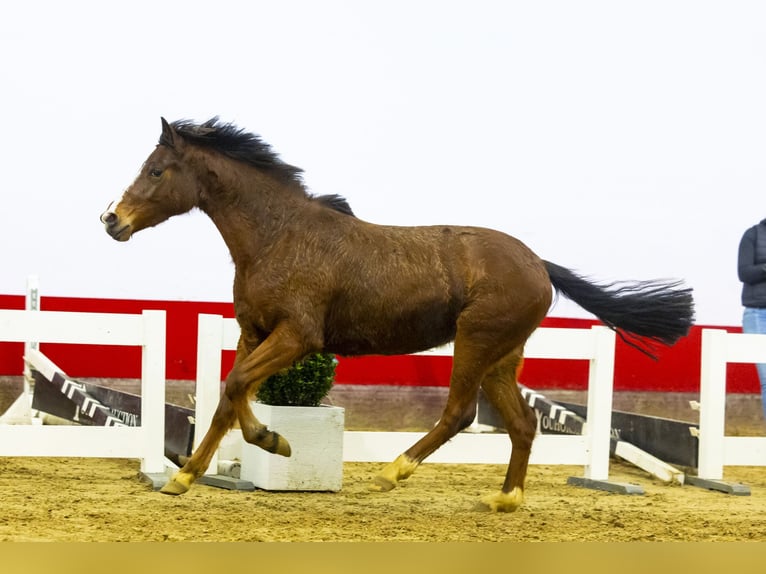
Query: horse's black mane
x=336, y=202
x=237, y=144
x=240, y=145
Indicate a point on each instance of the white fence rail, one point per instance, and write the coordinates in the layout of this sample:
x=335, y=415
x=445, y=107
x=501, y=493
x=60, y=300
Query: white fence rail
x=147, y=331
x=717, y=450
x=596, y=345
x=216, y=334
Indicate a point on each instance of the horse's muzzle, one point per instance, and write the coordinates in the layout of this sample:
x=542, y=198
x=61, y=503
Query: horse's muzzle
x=112, y=225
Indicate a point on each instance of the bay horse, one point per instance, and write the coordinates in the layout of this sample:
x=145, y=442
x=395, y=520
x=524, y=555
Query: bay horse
x=310, y=276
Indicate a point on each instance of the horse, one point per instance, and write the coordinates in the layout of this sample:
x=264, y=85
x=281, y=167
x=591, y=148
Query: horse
x=310, y=277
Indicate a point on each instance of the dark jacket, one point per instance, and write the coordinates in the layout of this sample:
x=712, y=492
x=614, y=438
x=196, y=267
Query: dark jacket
x=751, y=266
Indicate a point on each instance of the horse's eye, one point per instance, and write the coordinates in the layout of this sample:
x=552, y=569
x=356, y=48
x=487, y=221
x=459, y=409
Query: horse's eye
x=155, y=172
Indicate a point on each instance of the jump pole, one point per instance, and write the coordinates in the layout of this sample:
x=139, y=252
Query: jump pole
x=572, y=423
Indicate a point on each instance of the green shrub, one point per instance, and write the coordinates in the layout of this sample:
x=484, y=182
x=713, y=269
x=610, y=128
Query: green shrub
x=304, y=384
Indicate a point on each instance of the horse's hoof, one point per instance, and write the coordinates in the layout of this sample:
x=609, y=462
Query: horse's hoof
x=398, y=470
x=501, y=501
x=282, y=446
x=174, y=488
x=381, y=484
x=179, y=484
x=269, y=441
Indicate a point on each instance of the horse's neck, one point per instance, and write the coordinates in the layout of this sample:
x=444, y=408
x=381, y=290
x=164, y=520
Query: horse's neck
x=249, y=212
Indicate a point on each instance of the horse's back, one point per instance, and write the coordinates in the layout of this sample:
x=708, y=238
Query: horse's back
x=472, y=258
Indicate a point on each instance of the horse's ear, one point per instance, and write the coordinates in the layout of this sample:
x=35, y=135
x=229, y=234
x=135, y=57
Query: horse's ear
x=167, y=138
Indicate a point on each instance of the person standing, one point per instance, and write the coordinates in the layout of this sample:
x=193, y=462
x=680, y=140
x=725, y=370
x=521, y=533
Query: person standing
x=751, y=269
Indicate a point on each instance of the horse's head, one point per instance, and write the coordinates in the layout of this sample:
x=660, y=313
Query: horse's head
x=166, y=186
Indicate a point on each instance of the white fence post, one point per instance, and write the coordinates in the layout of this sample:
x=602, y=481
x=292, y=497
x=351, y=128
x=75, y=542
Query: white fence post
x=600, y=391
x=31, y=303
x=209, y=340
x=153, y=391
x=215, y=334
x=717, y=450
x=712, y=404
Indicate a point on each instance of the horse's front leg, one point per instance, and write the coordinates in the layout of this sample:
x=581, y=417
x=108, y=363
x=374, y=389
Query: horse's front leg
x=223, y=420
x=278, y=351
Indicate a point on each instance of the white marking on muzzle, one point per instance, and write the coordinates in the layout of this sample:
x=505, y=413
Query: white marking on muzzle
x=110, y=208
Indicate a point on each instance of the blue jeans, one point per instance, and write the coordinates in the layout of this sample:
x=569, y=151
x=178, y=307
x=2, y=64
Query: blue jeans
x=754, y=321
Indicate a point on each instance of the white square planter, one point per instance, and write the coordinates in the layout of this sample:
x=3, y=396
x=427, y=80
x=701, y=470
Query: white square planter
x=315, y=435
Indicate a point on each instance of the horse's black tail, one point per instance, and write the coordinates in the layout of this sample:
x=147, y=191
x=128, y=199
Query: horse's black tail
x=642, y=313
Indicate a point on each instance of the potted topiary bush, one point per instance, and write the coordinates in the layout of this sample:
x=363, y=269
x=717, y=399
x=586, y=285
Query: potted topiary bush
x=290, y=403
x=304, y=384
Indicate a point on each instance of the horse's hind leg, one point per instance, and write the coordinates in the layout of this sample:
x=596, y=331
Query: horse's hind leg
x=467, y=372
x=502, y=390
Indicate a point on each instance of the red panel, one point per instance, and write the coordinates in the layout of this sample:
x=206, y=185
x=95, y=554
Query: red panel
x=677, y=369
x=11, y=361
x=404, y=370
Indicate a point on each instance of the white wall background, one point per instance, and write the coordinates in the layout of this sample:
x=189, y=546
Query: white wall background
x=623, y=139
